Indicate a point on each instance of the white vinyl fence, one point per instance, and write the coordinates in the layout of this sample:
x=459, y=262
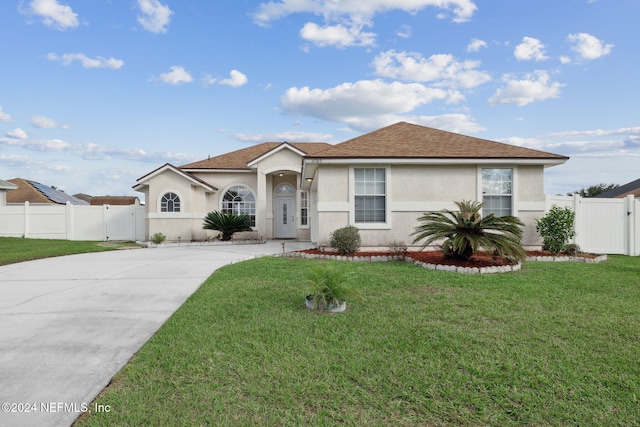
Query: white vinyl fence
x=73, y=222
x=606, y=226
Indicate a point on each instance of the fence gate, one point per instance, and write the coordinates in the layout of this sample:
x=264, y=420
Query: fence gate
x=609, y=226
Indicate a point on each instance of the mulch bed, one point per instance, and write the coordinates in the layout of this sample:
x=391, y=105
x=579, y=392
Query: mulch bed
x=479, y=259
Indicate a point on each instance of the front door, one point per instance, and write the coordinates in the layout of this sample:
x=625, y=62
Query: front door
x=285, y=218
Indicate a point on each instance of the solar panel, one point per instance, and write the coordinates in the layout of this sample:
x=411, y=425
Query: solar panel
x=57, y=195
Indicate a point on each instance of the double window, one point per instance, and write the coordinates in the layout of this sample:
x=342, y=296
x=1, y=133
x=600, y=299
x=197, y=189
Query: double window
x=497, y=191
x=170, y=202
x=240, y=200
x=370, y=195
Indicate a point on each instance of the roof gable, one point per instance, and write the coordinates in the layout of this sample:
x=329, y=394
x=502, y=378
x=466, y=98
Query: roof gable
x=241, y=159
x=405, y=140
x=144, y=180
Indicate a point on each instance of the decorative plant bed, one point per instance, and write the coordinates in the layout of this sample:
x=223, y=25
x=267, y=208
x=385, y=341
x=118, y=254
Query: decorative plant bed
x=338, y=307
x=480, y=262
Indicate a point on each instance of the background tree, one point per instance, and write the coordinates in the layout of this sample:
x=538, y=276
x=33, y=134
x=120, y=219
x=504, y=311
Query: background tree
x=594, y=190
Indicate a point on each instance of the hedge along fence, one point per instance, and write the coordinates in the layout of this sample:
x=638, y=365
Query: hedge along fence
x=73, y=222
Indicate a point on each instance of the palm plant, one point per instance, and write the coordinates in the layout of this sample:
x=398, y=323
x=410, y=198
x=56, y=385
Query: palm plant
x=466, y=231
x=227, y=223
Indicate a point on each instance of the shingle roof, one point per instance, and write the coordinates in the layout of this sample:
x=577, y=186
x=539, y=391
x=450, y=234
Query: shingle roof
x=114, y=200
x=34, y=192
x=631, y=188
x=239, y=159
x=405, y=140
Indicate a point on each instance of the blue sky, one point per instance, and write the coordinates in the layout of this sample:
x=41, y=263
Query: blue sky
x=96, y=93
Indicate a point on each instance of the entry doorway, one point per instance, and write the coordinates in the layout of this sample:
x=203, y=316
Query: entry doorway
x=285, y=218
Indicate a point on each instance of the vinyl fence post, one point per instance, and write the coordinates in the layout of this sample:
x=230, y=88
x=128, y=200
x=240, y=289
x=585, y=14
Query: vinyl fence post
x=26, y=220
x=69, y=218
x=630, y=225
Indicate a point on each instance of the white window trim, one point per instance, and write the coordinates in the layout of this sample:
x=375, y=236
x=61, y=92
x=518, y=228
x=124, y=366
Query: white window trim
x=159, y=203
x=514, y=184
x=299, y=208
x=352, y=198
x=255, y=195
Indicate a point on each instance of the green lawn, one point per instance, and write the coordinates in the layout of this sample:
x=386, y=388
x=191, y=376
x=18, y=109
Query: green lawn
x=554, y=344
x=14, y=249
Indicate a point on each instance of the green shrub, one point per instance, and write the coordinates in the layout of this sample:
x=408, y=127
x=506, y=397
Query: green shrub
x=158, y=238
x=346, y=240
x=571, y=249
x=227, y=223
x=398, y=248
x=328, y=287
x=465, y=232
x=556, y=228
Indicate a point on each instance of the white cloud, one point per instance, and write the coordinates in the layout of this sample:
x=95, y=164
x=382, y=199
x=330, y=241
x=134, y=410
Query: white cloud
x=441, y=69
x=598, y=132
x=54, y=14
x=4, y=117
x=236, y=79
x=405, y=32
x=17, y=133
x=534, y=87
x=155, y=16
x=462, y=10
x=588, y=46
x=289, y=136
x=475, y=45
x=43, y=122
x=176, y=76
x=98, y=62
x=337, y=35
x=529, y=49
x=353, y=102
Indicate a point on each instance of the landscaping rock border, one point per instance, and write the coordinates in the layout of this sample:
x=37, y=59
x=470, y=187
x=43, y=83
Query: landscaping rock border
x=387, y=258
x=444, y=267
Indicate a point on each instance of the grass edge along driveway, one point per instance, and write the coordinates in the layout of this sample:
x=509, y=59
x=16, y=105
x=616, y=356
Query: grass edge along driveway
x=15, y=249
x=553, y=344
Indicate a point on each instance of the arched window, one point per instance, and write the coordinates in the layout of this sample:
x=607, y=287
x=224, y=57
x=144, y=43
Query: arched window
x=170, y=202
x=240, y=200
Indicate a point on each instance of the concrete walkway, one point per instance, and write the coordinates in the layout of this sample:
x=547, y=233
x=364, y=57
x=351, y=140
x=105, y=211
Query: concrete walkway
x=69, y=324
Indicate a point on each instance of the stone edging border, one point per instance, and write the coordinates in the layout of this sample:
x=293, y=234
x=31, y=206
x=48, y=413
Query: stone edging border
x=443, y=267
x=595, y=260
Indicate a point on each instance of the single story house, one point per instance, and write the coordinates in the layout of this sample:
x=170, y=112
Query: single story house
x=36, y=193
x=380, y=182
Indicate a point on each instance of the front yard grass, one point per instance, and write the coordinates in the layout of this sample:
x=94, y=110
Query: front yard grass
x=14, y=249
x=554, y=344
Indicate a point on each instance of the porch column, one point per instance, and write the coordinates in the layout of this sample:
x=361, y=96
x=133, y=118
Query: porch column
x=261, y=205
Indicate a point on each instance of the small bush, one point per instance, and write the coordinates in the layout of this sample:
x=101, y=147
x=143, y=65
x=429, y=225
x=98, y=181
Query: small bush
x=571, y=249
x=556, y=228
x=346, y=240
x=398, y=248
x=158, y=238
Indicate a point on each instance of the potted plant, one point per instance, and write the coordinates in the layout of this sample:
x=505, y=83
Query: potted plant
x=328, y=291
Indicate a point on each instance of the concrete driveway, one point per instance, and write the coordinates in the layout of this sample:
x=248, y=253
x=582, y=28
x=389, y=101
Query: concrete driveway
x=69, y=324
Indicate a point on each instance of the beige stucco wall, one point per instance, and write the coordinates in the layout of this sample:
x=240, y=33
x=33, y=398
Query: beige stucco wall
x=415, y=189
x=186, y=225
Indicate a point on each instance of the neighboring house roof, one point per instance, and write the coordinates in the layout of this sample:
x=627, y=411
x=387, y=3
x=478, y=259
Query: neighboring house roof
x=34, y=192
x=405, y=140
x=630, y=189
x=114, y=200
x=82, y=196
x=6, y=185
x=240, y=159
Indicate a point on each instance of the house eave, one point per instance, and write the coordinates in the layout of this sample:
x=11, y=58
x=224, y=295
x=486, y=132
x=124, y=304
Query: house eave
x=547, y=162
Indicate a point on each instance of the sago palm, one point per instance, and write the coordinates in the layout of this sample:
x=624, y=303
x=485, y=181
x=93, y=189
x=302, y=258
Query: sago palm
x=227, y=223
x=466, y=231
